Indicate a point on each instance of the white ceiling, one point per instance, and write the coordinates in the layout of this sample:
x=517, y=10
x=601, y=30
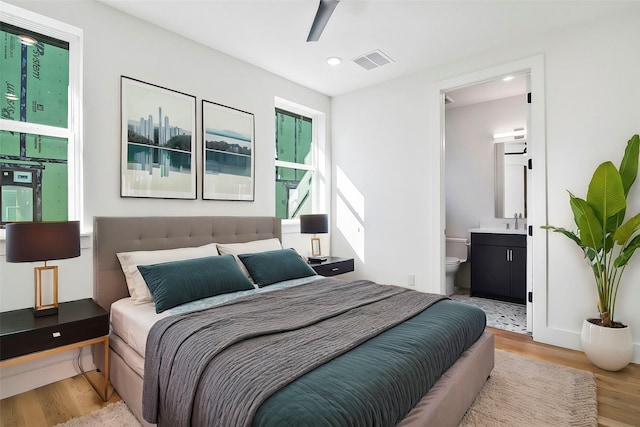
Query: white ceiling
x=416, y=34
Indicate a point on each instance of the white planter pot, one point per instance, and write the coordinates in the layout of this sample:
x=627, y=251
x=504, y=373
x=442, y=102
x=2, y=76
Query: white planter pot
x=607, y=348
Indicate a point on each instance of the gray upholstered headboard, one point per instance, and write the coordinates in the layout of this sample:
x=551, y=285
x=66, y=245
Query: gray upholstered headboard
x=123, y=234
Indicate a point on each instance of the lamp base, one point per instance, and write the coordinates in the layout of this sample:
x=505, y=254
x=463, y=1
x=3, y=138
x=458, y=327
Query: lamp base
x=50, y=311
x=40, y=309
x=316, y=259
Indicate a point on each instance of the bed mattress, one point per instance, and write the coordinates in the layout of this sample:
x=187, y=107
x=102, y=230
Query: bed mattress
x=132, y=322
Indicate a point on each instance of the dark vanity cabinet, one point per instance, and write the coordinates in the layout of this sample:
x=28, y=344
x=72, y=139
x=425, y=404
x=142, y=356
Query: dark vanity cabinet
x=499, y=266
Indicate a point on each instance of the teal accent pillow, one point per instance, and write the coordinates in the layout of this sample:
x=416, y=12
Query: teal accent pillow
x=178, y=282
x=267, y=268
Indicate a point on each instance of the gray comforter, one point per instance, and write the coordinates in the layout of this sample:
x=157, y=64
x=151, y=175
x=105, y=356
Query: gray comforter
x=217, y=366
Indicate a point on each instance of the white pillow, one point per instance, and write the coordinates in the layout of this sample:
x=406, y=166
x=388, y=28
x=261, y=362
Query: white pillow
x=131, y=260
x=236, y=249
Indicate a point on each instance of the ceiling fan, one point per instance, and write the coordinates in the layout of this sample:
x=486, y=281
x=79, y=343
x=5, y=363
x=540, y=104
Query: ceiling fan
x=325, y=9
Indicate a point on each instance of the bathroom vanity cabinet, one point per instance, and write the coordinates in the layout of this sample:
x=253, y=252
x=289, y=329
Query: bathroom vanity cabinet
x=499, y=266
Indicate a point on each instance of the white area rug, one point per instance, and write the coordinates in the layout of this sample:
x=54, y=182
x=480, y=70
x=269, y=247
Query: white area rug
x=113, y=415
x=528, y=393
x=520, y=392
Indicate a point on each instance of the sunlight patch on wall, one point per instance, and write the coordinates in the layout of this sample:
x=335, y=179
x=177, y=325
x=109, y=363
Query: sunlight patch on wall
x=350, y=213
x=350, y=227
x=350, y=193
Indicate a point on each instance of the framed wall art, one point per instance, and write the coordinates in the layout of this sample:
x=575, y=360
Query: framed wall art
x=228, y=153
x=158, y=141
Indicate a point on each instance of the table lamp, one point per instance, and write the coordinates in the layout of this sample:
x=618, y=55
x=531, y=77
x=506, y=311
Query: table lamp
x=43, y=241
x=313, y=224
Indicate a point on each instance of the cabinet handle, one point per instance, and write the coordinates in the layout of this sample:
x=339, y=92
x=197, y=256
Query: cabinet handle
x=507, y=254
x=335, y=269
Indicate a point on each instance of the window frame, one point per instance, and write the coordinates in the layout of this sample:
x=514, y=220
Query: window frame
x=31, y=21
x=317, y=118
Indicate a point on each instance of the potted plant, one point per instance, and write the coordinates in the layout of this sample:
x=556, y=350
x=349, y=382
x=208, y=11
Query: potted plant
x=608, y=243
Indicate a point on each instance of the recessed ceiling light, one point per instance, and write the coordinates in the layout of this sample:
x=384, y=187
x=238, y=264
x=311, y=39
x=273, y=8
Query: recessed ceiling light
x=334, y=60
x=507, y=78
x=27, y=41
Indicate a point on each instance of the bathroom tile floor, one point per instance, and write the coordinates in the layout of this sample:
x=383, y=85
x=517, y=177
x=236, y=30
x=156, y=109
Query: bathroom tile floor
x=501, y=315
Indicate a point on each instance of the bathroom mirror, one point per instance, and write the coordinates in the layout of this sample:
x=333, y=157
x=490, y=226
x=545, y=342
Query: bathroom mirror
x=511, y=178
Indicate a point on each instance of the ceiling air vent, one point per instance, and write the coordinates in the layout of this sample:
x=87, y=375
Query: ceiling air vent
x=372, y=60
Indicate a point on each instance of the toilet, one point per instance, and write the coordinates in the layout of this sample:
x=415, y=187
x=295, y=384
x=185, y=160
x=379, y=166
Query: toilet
x=457, y=250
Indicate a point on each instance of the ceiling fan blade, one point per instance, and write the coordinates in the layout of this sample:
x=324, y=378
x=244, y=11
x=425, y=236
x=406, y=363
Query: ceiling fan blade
x=325, y=9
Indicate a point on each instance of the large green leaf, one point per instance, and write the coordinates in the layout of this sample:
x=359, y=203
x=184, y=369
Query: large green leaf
x=564, y=231
x=591, y=255
x=588, y=224
x=606, y=194
x=626, y=230
x=609, y=242
x=628, y=171
x=577, y=213
x=616, y=220
x=629, y=165
x=627, y=252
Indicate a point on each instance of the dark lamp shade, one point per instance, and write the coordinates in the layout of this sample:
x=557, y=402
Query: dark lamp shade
x=312, y=224
x=42, y=241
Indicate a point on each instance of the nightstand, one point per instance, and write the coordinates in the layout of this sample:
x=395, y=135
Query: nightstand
x=333, y=266
x=24, y=337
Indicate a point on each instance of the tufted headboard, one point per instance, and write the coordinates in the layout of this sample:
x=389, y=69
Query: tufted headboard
x=123, y=234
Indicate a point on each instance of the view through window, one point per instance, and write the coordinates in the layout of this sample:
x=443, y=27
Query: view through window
x=37, y=142
x=295, y=165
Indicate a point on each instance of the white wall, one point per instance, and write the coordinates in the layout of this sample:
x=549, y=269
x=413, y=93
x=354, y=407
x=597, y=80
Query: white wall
x=116, y=44
x=382, y=140
x=378, y=147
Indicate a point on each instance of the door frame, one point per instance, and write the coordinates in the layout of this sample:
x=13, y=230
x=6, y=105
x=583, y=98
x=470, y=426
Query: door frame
x=536, y=197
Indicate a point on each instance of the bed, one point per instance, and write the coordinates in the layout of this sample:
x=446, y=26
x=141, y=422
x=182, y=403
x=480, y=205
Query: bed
x=443, y=405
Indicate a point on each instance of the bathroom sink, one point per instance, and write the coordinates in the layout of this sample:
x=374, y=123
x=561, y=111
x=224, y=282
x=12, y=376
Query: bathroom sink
x=493, y=230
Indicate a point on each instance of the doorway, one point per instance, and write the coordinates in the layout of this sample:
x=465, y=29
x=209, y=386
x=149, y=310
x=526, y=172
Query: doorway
x=536, y=193
x=485, y=189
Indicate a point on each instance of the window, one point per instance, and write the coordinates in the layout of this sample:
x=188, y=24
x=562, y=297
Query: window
x=295, y=164
x=40, y=123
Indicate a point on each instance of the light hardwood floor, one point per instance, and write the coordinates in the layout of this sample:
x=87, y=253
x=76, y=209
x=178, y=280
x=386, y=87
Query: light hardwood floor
x=618, y=392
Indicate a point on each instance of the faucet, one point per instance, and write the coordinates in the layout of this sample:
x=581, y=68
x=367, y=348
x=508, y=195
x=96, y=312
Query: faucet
x=515, y=216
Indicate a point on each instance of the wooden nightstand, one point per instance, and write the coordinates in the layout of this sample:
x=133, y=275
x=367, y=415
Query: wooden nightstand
x=333, y=266
x=78, y=323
